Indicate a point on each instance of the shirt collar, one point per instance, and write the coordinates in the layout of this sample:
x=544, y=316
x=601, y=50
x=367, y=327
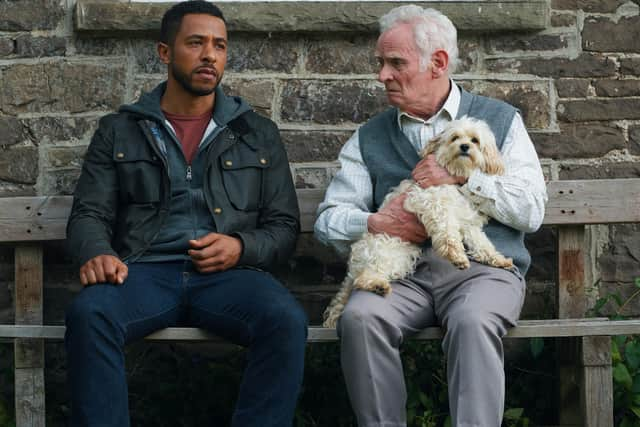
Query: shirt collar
x=450, y=108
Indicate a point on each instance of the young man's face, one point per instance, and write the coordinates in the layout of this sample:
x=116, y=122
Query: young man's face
x=198, y=55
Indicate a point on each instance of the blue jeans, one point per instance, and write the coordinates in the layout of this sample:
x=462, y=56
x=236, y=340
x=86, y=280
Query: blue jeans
x=246, y=307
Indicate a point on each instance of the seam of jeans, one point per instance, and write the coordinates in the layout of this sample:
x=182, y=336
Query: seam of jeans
x=245, y=324
x=144, y=319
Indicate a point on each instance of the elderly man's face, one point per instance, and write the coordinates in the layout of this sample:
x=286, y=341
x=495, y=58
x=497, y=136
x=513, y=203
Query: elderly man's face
x=399, y=60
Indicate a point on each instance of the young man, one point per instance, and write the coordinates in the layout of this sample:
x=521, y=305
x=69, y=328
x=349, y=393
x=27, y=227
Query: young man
x=185, y=198
x=417, y=52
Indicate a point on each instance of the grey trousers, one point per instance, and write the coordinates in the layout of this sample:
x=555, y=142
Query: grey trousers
x=475, y=306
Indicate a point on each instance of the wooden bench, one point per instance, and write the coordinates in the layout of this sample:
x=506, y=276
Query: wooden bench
x=30, y=221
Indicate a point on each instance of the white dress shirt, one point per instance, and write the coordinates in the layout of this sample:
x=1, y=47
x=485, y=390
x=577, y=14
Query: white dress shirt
x=516, y=198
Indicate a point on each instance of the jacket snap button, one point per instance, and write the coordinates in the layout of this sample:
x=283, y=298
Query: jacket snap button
x=120, y=155
x=263, y=161
x=478, y=188
x=217, y=211
x=228, y=163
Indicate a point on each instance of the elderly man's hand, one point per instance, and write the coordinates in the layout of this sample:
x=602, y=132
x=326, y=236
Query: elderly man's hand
x=103, y=269
x=428, y=172
x=215, y=252
x=395, y=221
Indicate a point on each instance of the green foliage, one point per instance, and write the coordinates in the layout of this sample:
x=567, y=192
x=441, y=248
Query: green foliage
x=625, y=357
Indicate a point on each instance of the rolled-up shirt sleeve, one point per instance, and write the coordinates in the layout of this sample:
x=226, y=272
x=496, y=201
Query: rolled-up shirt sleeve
x=518, y=197
x=342, y=216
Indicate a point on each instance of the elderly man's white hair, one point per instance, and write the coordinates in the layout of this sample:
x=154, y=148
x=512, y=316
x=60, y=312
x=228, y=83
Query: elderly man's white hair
x=432, y=31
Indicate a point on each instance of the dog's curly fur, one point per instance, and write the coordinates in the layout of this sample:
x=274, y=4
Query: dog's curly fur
x=450, y=219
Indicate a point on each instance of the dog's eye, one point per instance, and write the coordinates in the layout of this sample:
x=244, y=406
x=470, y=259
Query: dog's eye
x=475, y=140
x=454, y=138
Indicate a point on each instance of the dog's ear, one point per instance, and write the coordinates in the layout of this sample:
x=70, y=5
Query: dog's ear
x=432, y=146
x=492, y=159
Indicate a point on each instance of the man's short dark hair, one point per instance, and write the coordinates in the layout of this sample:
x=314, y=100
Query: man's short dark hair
x=173, y=17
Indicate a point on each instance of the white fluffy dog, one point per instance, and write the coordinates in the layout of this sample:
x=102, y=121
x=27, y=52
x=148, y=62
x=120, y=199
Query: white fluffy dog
x=451, y=220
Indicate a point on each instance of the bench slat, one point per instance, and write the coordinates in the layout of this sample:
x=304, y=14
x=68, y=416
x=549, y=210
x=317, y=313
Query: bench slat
x=570, y=202
x=525, y=329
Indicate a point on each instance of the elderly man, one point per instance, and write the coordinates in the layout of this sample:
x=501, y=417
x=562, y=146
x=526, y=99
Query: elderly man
x=185, y=198
x=417, y=52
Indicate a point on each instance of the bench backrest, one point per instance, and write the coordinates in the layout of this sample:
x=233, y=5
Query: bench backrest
x=570, y=202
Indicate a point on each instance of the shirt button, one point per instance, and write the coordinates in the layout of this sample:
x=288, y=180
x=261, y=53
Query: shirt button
x=120, y=155
x=217, y=211
x=263, y=161
x=478, y=188
x=228, y=163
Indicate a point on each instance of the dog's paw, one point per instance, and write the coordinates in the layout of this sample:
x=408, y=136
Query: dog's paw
x=461, y=263
x=502, y=262
x=375, y=283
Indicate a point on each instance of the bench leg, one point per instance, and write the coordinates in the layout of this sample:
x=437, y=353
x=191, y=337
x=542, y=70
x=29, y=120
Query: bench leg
x=597, y=382
x=29, y=383
x=29, y=353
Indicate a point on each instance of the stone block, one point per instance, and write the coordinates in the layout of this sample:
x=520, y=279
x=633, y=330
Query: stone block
x=563, y=20
x=311, y=145
x=525, y=42
x=277, y=53
x=145, y=53
x=94, y=46
x=60, y=182
x=585, y=65
x=7, y=46
x=258, y=93
x=572, y=88
x=52, y=130
x=143, y=84
x=62, y=86
x=350, y=54
x=602, y=34
x=19, y=164
x=626, y=291
x=12, y=131
x=29, y=15
x=630, y=66
x=531, y=97
x=599, y=109
x=634, y=140
x=469, y=53
x=579, y=141
x=65, y=157
x=599, y=6
x=621, y=262
x=311, y=177
x=615, y=88
x=11, y=189
x=28, y=46
x=600, y=171
x=331, y=101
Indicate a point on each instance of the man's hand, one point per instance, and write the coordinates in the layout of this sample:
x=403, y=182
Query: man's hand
x=428, y=172
x=103, y=269
x=215, y=252
x=395, y=221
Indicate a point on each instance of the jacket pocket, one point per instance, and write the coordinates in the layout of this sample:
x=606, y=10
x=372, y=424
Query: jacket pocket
x=139, y=176
x=242, y=177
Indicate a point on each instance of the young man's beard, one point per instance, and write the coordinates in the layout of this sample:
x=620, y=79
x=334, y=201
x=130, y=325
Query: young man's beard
x=185, y=81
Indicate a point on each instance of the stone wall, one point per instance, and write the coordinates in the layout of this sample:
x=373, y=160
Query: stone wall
x=571, y=66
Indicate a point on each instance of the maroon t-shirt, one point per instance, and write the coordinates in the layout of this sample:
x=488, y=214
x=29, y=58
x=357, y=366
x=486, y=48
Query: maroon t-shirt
x=189, y=130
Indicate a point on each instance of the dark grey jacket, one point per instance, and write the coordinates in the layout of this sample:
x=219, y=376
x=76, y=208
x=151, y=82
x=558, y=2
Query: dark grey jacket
x=123, y=195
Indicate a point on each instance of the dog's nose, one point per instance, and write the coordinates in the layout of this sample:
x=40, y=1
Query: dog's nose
x=464, y=148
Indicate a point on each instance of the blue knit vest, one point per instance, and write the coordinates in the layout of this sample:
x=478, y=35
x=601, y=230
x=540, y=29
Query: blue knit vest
x=390, y=157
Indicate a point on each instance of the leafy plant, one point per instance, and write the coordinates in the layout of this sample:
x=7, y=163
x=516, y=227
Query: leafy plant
x=625, y=358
